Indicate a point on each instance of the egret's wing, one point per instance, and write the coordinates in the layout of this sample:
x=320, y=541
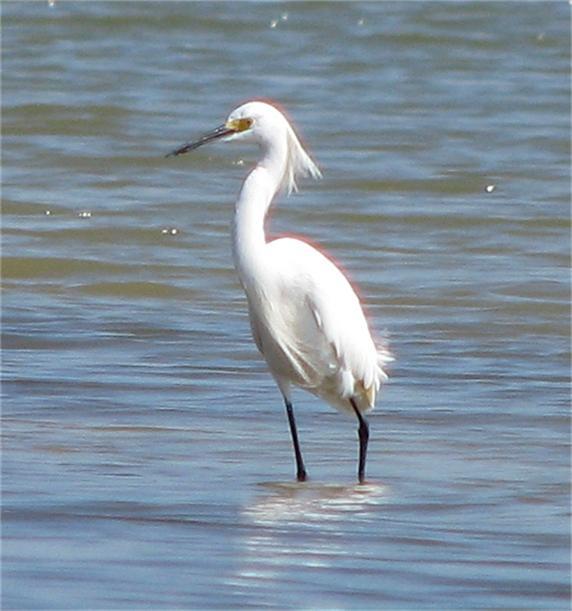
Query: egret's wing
x=341, y=320
x=331, y=326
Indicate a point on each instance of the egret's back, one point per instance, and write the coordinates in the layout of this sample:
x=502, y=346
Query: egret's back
x=308, y=323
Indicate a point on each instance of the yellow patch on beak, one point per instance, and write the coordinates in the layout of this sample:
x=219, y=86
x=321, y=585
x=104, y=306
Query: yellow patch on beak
x=239, y=125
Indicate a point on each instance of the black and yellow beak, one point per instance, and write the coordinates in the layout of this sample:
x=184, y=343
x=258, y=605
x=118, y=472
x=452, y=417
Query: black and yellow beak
x=215, y=134
x=229, y=128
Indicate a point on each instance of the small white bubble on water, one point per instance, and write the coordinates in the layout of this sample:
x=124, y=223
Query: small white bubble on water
x=48, y=212
x=361, y=22
x=170, y=231
x=284, y=16
x=86, y=214
x=273, y=23
x=490, y=188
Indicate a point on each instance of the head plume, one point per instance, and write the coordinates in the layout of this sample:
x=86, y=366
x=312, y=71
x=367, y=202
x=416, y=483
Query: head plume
x=298, y=163
x=263, y=121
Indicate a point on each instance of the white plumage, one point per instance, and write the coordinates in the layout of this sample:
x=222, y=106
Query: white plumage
x=309, y=325
x=306, y=318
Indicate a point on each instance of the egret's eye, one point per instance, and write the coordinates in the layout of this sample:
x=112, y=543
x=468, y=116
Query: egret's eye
x=240, y=125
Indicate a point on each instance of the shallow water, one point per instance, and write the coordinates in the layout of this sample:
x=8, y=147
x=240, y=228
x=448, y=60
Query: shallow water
x=146, y=457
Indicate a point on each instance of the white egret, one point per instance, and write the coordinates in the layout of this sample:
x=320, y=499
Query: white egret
x=306, y=318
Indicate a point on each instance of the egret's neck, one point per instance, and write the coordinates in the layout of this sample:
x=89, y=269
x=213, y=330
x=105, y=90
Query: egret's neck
x=253, y=202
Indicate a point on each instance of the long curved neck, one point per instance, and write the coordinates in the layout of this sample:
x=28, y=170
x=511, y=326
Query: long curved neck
x=256, y=195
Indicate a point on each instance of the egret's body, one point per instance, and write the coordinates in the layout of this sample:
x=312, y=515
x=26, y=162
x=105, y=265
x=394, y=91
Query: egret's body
x=306, y=318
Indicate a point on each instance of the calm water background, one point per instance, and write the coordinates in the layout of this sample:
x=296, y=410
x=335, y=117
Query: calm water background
x=146, y=457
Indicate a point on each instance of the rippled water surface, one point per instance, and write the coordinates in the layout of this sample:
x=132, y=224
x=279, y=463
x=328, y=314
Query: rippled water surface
x=146, y=457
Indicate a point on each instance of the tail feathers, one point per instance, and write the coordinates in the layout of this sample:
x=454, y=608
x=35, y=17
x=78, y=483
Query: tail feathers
x=370, y=391
x=384, y=357
x=370, y=395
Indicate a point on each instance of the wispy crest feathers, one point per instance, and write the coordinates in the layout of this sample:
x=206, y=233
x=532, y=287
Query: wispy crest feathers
x=298, y=163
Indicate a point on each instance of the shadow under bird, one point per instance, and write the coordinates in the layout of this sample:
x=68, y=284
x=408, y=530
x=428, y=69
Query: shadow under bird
x=306, y=319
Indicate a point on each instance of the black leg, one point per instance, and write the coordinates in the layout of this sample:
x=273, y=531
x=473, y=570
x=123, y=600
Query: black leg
x=363, y=434
x=300, y=470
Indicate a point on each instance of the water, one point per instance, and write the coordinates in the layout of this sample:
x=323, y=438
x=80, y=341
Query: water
x=146, y=457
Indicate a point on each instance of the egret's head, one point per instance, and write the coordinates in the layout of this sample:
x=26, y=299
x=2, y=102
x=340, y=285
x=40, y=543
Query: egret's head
x=258, y=122
x=264, y=124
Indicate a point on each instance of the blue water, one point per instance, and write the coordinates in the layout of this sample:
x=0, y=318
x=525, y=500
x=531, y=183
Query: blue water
x=146, y=457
